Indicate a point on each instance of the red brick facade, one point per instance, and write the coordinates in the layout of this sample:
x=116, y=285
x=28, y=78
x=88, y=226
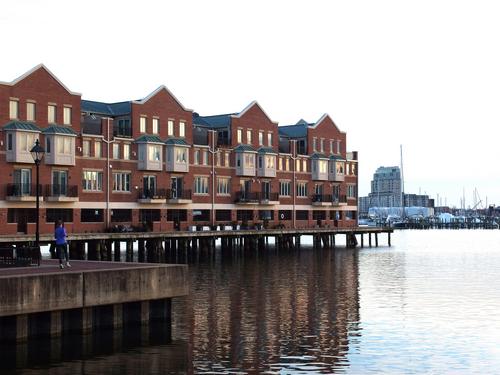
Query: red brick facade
x=92, y=202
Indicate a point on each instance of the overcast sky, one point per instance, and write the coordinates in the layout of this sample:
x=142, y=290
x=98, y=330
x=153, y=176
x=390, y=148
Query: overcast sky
x=424, y=74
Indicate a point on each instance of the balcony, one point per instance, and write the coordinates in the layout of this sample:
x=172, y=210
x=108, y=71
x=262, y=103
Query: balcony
x=321, y=200
x=151, y=196
x=269, y=198
x=61, y=193
x=179, y=197
x=247, y=197
x=23, y=192
x=339, y=200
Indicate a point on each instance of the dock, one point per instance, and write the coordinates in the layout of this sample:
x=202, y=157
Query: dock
x=47, y=301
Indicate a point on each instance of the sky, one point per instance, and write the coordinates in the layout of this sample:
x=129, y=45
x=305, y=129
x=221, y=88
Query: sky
x=424, y=75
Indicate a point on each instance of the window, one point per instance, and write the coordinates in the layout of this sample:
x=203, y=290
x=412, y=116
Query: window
x=14, y=109
x=285, y=214
x=260, y=162
x=52, y=215
x=270, y=164
x=205, y=157
x=249, y=137
x=64, y=145
x=51, y=113
x=196, y=157
x=322, y=145
x=331, y=146
x=319, y=215
x=304, y=165
x=149, y=215
x=302, y=215
x=280, y=164
x=351, y=191
x=142, y=124
x=218, y=161
x=201, y=215
x=97, y=149
x=339, y=167
x=154, y=152
x=239, y=135
x=223, y=215
x=174, y=215
x=226, y=159
x=170, y=127
x=285, y=188
x=297, y=165
x=338, y=146
x=9, y=142
x=121, y=215
x=27, y=140
x=314, y=144
x=91, y=215
x=48, y=145
x=249, y=160
x=122, y=128
x=182, y=129
x=116, y=151
x=301, y=189
x=126, y=151
x=323, y=166
x=86, y=148
x=201, y=185
x=121, y=181
x=67, y=116
x=223, y=186
x=270, y=139
x=180, y=155
x=287, y=164
x=92, y=180
x=261, y=138
x=156, y=125
x=30, y=111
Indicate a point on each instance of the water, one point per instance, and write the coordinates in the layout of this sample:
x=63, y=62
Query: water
x=428, y=304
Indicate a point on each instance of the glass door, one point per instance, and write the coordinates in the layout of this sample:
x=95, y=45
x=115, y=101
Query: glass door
x=266, y=190
x=22, y=182
x=59, y=183
x=149, y=186
x=177, y=186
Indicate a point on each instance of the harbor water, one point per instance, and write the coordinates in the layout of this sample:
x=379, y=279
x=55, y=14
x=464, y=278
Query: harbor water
x=428, y=304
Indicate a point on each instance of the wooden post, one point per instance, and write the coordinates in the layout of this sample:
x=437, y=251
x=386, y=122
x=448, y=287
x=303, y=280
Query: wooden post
x=130, y=251
x=362, y=240
x=370, y=239
x=376, y=239
x=117, y=251
x=140, y=251
x=389, y=238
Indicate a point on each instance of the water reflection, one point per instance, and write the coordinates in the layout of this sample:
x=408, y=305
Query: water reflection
x=146, y=349
x=296, y=311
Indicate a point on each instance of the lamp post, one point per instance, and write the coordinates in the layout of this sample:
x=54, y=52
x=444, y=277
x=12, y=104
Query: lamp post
x=37, y=153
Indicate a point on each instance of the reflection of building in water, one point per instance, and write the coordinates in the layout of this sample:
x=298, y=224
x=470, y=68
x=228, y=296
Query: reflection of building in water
x=248, y=313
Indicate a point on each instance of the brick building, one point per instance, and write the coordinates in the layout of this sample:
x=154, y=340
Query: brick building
x=154, y=162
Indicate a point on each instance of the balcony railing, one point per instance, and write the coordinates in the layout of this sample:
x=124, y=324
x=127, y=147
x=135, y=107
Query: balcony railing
x=151, y=194
x=274, y=197
x=320, y=198
x=60, y=190
x=246, y=197
x=19, y=190
x=336, y=199
x=183, y=194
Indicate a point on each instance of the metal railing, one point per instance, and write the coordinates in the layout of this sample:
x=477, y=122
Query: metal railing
x=321, y=198
x=151, y=194
x=19, y=190
x=60, y=190
x=269, y=196
x=246, y=196
x=175, y=194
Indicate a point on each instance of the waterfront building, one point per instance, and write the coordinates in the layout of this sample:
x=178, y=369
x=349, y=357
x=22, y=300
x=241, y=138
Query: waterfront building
x=155, y=163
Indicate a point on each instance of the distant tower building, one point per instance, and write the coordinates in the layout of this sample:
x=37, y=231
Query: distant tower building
x=386, y=188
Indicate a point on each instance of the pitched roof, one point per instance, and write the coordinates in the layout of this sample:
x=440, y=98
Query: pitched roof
x=177, y=142
x=34, y=69
x=247, y=108
x=214, y=122
x=159, y=89
x=244, y=148
x=336, y=157
x=293, y=131
x=109, y=109
x=318, y=155
x=21, y=125
x=146, y=138
x=266, y=150
x=55, y=129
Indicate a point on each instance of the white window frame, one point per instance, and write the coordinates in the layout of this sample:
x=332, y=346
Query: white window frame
x=92, y=180
x=121, y=182
x=170, y=127
x=14, y=109
x=116, y=151
x=201, y=185
x=182, y=129
x=270, y=139
x=155, y=125
x=51, y=113
x=239, y=135
x=126, y=151
x=142, y=124
x=223, y=185
x=285, y=188
x=86, y=148
x=67, y=114
x=301, y=189
x=31, y=111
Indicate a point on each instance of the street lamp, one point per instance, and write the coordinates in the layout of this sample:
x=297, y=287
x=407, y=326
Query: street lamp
x=37, y=153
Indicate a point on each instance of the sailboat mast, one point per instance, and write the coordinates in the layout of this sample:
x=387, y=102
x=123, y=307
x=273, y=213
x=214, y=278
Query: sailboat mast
x=402, y=183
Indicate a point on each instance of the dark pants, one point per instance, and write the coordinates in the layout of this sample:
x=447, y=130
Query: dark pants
x=62, y=253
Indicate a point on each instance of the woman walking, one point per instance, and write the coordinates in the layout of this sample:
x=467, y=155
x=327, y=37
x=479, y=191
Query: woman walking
x=61, y=245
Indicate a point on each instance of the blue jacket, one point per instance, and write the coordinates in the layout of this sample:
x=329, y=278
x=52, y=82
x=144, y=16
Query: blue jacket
x=60, y=236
